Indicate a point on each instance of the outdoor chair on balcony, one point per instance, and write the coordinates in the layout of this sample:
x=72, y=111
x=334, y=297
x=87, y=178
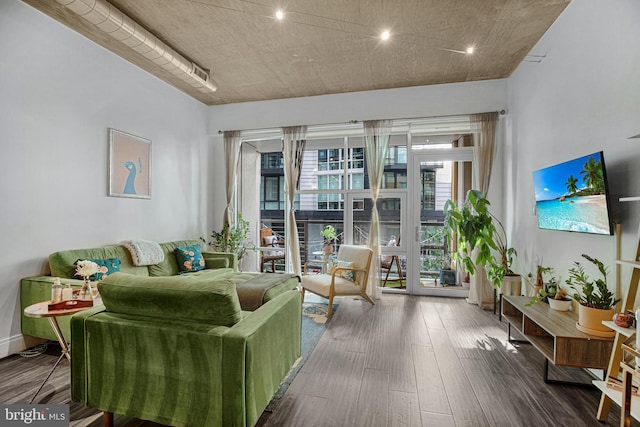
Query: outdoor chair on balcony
x=347, y=276
x=387, y=262
x=270, y=240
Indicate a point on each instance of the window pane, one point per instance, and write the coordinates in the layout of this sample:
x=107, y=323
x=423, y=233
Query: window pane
x=357, y=181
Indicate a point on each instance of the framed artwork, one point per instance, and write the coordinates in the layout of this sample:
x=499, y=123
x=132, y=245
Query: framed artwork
x=129, y=165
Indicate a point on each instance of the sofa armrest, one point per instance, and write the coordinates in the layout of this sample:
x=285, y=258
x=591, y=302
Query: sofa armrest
x=78, y=369
x=37, y=289
x=220, y=260
x=264, y=346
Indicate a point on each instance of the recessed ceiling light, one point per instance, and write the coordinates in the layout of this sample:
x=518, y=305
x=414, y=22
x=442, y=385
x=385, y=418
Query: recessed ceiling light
x=470, y=50
x=385, y=35
x=279, y=15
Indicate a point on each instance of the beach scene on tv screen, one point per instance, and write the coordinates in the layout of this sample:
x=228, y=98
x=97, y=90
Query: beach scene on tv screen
x=571, y=196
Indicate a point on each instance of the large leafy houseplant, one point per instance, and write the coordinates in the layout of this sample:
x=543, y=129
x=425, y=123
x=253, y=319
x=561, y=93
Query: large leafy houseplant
x=592, y=293
x=232, y=238
x=475, y=227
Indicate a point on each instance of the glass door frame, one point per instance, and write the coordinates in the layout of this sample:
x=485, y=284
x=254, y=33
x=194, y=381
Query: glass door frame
x=461, y=154
x=402, y=248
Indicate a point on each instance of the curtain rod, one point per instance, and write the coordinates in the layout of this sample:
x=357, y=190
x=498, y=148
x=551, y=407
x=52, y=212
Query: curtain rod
x=352, y=122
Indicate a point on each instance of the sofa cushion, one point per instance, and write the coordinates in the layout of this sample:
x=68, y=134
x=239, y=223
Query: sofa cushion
x=189, y=258
x=186, y=297
x=62, y=263
x=169, y=267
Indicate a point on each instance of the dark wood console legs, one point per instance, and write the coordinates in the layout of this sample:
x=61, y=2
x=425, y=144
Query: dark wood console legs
x=108, y=419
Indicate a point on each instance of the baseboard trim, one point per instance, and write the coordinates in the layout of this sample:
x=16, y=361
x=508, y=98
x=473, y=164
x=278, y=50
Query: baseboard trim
x=16, y=344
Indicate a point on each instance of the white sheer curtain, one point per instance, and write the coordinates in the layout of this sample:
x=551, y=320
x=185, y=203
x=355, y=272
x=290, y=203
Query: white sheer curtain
x=293, y=143
x=376, y=136
x=483, y=127
x=232, y=142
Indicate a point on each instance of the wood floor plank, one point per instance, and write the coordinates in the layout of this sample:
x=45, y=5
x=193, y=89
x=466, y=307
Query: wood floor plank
x=404, y=409
x=465, y=407
x=373, y=399
x=430, y=419
x=431, y=391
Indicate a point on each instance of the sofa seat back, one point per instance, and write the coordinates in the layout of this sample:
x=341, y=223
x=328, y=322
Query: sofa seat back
x=186, y=297
x=169, y=267
x=62, y=263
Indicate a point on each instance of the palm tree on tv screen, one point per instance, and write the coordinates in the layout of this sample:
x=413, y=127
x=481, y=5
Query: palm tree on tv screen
x=571, y=184
x=592, y=175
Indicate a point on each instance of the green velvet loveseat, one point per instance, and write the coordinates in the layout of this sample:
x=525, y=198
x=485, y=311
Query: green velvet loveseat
x=180, y=351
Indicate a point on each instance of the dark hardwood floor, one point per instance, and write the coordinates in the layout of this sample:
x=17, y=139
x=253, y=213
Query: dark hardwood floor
x=407, y=361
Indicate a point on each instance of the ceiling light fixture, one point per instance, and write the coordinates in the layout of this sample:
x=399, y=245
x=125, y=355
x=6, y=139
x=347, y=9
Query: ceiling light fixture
x=385, y=35
x=110, y=20
x=470, y=50
x=279, y=15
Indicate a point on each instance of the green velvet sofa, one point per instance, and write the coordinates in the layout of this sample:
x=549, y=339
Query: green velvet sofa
x=174, y=349
x=180, y=351
x=219, y=265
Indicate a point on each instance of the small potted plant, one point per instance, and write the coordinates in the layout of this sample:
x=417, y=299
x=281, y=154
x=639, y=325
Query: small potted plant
x=550, y=291
x=330, y=237
x=596, y=301
x=560, y=301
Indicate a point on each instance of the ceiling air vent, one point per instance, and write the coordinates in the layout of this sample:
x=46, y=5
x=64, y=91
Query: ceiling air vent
x=116, y=24
x=199, y=72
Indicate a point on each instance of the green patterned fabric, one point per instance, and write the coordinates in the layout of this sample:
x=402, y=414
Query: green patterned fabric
x=182, y=372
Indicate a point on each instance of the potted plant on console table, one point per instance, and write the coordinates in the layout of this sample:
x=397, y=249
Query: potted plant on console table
x=596, y=301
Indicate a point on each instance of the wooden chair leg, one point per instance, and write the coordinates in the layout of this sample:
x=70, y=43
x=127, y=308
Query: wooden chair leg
x=330, y=309
x=108, y=419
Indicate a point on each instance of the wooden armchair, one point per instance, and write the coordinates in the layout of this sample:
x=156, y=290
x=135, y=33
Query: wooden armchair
x=268, y=239
x=348, y=276
x=386, y=264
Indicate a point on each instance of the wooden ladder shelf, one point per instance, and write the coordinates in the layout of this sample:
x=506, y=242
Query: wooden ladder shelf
x=614, y=369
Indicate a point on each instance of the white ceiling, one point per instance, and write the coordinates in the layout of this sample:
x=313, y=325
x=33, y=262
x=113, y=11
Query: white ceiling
x=330, y=46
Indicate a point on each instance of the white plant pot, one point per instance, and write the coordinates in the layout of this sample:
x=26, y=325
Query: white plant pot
x=559, y=304
x=511, y=285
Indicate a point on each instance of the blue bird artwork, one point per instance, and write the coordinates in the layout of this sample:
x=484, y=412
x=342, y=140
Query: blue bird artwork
x=129, y=185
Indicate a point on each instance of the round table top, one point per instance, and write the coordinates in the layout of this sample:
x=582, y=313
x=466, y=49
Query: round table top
x=41, y=309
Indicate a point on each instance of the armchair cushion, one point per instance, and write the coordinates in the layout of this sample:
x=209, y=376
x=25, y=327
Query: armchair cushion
x=321, y=284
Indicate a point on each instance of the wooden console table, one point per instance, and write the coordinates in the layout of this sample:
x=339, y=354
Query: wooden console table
x=555, y=335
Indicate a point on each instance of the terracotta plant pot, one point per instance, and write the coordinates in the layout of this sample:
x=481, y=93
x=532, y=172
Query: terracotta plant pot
x=590, y=321
x=559, y=304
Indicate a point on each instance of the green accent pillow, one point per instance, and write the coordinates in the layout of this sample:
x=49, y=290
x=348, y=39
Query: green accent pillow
x=189, y=258
x=345, y=274
x=107, y=266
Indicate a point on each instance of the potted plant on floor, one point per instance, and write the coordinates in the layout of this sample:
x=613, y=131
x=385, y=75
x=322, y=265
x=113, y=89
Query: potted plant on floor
x=596, y=301
x=476, y=229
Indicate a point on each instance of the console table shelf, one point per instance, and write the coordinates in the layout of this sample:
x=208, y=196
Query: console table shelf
x=554, y=334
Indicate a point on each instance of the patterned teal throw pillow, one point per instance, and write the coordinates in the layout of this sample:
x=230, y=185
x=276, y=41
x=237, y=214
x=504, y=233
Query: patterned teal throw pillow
x=189, y=258
x=106, y=267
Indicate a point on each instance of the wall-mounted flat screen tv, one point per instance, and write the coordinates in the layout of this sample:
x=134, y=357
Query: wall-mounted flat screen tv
x=574, y=196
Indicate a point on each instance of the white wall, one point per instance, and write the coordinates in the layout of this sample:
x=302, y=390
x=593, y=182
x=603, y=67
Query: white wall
x=59, y=93
x=421, y=101
x=583, y=97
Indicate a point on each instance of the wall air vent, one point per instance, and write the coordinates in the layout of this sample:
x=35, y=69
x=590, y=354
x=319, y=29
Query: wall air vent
x=110, y=20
